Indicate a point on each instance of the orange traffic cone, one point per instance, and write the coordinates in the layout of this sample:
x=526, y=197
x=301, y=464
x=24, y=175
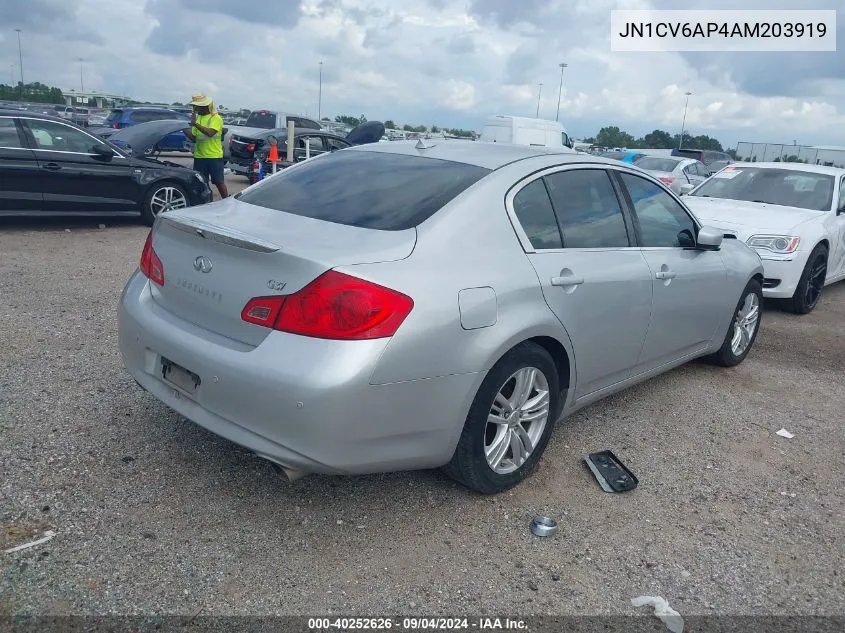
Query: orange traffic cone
x=274, y=154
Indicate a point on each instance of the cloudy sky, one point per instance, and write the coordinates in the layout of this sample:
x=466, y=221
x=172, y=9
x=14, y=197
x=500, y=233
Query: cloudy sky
x=444, y=62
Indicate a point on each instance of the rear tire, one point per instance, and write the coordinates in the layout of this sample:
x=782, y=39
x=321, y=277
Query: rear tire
x=743, y=329
x=808, y=293
x=519, y=392
x=163, y=196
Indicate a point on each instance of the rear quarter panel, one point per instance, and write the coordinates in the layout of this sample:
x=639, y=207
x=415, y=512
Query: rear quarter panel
x=470, y=243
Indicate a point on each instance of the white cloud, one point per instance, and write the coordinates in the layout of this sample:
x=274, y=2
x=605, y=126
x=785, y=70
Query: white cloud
x=445, y=62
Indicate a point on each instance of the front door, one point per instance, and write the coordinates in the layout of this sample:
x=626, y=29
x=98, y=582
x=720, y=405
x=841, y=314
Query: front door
x=836, y=259
x=74, y=179
x=690, y=305
x=20, y=184
x=593, y=279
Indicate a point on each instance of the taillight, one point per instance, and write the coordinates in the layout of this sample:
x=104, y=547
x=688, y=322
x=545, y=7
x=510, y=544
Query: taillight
x=116, y=126
x=333, y=306
x=250, y=147
x=151, y=265
x=667, y=180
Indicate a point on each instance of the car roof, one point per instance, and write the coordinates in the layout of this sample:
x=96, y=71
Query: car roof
x=29, y=114
x=818, y=169
x=480, y=153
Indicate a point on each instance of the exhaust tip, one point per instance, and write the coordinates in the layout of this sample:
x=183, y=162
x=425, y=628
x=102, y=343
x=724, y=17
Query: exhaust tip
x=291, y=474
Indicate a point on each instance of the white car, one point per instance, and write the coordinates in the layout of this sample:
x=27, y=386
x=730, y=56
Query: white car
x=679, y=173
x=792, y=214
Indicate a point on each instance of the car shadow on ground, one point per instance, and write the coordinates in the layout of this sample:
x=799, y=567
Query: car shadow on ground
x=70, y=222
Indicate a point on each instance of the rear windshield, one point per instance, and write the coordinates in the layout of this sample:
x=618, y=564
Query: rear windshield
x=261, y=118
x=373, y=190
x=657, y=164
x=697, y=154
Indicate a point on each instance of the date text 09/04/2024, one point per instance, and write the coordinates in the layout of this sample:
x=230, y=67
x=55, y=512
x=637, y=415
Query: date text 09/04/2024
x=416, y=624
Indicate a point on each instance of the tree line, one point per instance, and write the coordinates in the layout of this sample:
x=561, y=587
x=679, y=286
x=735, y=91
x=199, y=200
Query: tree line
x=34, y=91
x=612, y=136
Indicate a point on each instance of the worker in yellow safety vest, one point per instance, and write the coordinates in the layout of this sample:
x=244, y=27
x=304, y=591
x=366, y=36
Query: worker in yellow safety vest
x=206, y=132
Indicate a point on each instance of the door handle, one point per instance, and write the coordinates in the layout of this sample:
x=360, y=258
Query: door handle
x=52, y=166
x=665, y=274
x=567, y=281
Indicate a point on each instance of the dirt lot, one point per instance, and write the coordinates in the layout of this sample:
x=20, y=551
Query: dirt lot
x=155, y=515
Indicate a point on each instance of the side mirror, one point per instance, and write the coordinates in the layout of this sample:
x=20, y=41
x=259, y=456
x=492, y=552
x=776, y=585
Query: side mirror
x=102, y=151
x=709, y=239
x=686, y=188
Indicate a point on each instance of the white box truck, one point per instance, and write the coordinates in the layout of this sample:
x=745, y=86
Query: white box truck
x=525, y=131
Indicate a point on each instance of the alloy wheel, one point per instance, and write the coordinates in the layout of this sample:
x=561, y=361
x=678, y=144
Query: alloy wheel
x=745, y=324
x=167, y=199
x=516, y=421
x=815, y=282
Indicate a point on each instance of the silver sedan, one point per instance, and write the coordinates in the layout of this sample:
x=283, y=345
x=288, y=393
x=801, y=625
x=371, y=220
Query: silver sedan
x=403, y=306
x=680, y=174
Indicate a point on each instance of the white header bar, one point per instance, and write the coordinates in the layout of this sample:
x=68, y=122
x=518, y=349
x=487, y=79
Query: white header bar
x=723, y=31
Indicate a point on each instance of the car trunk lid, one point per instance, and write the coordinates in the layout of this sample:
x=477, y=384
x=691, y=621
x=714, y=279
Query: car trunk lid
x=219, y=256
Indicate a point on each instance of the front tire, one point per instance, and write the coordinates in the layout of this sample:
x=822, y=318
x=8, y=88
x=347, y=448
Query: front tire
x=510, y=422
x=163, y=196
x=743, y=329
x=810, y=286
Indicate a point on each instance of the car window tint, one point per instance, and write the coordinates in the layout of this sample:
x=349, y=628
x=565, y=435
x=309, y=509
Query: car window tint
x=534, y=211
x=337, y=144
x=9, y=134
x=367, y=189
x=663, y=222
x=588, y=209
x=54, y=136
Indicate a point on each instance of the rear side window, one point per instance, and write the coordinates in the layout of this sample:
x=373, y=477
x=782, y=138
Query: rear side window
x=588, y=209
x=374, y=190
x=302, y=123
x=262, y=119
x=9, y=134
x=533, y=209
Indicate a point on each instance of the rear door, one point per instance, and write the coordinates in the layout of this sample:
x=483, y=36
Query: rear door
x=593, y=276
x=72, y=177
x=308, y=146
x=20, y=180
x=688, y=284
x=837, y=255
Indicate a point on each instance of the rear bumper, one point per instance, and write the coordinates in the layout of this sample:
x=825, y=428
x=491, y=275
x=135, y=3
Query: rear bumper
x=303, y=403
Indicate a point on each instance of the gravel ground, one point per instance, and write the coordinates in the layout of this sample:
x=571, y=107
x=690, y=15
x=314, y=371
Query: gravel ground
x=154, y=515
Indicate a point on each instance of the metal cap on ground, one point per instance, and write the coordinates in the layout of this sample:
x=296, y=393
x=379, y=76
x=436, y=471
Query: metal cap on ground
x=543, y=526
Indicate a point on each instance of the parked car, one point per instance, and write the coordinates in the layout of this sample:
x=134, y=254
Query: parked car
x=402, y=305
x=680, y=174
x=712, y=160
x=120, y=118
x=259, y=121
x=792, y=214
x=49, y=166
x=623, y=156
x=249, y=154
x=525, y=131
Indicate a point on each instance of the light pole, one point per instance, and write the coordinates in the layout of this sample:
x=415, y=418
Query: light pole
x=20, y=59
x=320, y=94
x=81, y=81
x=539, y=93
x=684, y=121
x=560, y=90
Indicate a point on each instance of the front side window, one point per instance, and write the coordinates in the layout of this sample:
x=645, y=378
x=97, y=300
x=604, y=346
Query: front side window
x=335, y=144
x=588, y=210
x=663, y=222
x=9, y=134
x=50, y=135
x=533, y=209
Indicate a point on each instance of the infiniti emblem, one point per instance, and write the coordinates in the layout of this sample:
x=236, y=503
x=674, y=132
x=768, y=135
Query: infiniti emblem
x=202, y=264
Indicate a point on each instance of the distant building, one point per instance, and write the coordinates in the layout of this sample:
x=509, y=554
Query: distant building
x=831, y=156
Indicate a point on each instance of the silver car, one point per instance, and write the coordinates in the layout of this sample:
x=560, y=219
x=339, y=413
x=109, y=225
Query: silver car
x=680, y=174
x=401, y=306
